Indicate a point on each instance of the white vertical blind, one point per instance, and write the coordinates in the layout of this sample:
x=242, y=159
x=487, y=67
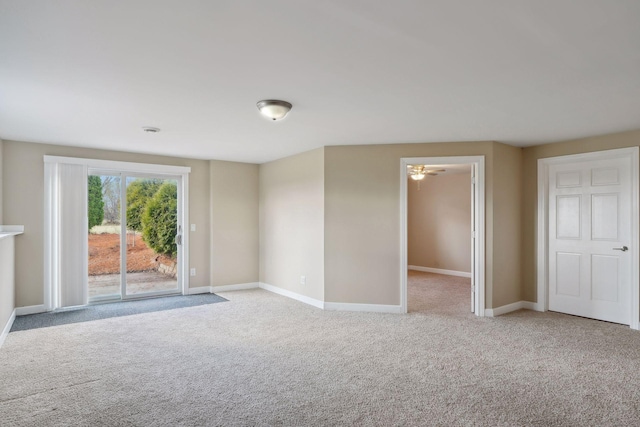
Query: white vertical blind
x=73, y=234
x=68, y=234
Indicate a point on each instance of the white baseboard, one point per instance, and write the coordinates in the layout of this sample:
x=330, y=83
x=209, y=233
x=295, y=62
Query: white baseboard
x=7, y=327
x=223, y=288
x=30, y=309
x=533, y=306
x=493, y=312
x=439, y=271
x=238, y=287
x=333, y=306
x=200, y=290
x=302, y=298
x=372, y=308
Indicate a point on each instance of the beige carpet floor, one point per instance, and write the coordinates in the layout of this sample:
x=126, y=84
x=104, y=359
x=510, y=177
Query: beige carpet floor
x=262, y=359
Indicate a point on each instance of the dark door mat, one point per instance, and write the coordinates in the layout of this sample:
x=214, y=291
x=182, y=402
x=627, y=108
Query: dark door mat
x=116, y=309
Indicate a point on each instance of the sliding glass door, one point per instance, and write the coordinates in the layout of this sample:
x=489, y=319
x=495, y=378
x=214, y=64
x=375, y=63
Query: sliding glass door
x=151, y=234
x=105, y=226
x=134, y=235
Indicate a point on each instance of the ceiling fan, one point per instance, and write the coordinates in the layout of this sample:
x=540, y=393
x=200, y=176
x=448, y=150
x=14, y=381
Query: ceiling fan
x=418, y=172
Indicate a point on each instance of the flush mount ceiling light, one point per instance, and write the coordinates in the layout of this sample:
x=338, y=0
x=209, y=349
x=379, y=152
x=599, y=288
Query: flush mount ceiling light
x=274, y=109
x=150, y=129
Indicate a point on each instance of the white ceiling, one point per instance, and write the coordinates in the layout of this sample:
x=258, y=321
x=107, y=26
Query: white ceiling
x=92, y=73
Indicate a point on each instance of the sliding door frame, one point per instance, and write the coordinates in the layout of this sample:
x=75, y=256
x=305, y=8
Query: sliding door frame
x=51, y=270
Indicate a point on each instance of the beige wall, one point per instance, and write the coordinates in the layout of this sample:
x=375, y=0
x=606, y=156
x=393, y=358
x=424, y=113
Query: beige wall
x=7, y=292
x=330, y=214
x=362, y=220
x=530, y=191
x=507, y=230
x=439, y=222
x=23, y=170
x=292, y=223
x=234, y=223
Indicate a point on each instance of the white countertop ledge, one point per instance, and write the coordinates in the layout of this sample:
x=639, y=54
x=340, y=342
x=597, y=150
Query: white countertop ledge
x=10, y=230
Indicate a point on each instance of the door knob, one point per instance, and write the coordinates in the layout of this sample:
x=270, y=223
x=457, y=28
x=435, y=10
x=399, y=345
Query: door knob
x=623, y=249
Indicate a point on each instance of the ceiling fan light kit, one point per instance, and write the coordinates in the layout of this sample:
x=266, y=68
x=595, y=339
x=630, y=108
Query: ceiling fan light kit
x=419, y=172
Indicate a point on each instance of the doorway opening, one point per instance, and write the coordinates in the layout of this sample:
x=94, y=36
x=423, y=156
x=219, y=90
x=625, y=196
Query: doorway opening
x=439, y=240
x=439, y=251
x=133, y=233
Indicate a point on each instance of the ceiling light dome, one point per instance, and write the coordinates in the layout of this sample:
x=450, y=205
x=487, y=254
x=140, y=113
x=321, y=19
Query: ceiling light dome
x=274, y=109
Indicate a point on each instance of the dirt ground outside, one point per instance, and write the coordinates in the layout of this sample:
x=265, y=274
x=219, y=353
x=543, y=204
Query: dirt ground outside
x=104, y=254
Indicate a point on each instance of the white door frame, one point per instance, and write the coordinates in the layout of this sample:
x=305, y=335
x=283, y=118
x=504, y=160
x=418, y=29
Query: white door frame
x=542, y=242
x=478, y=273
x=50, y=251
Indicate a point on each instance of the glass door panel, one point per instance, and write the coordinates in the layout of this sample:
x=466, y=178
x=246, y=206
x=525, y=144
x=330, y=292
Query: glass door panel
x=133, y=229
x=152, y=225
x=104, y=216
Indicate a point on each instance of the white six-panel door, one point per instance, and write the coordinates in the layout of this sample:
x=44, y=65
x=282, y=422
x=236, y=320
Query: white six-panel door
x=589, y=228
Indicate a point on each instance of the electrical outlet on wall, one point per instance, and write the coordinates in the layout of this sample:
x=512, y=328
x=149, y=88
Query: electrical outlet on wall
x=193, y=272
x=303, y=280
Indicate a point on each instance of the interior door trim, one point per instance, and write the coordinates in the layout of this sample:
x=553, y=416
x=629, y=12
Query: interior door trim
x=542, y=241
